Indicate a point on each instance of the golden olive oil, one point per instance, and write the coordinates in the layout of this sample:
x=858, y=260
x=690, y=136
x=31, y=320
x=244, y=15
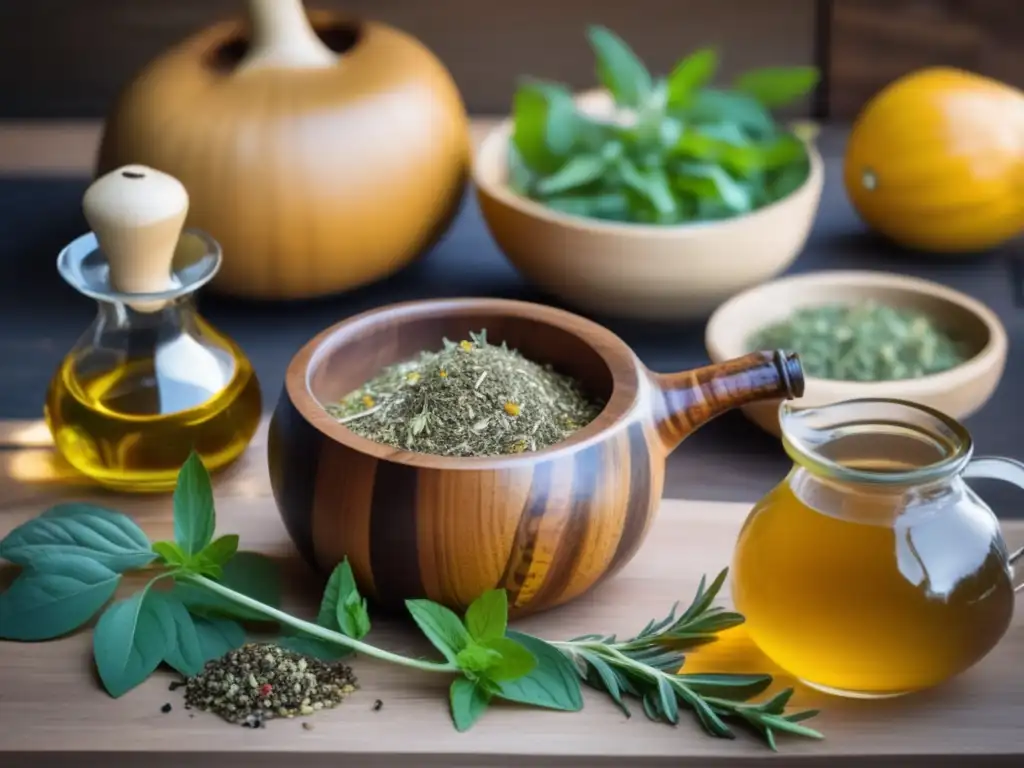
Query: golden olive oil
x=130, y=428
x=872, y=594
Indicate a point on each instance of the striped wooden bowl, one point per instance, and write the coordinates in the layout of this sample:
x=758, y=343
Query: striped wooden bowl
x=547, y=525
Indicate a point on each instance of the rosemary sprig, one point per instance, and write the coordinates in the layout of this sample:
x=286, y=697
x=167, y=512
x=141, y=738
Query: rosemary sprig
x=647, y=666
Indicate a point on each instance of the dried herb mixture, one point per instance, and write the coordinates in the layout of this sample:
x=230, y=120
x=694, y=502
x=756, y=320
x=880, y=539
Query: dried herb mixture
x=867, y=341
x=471, y=398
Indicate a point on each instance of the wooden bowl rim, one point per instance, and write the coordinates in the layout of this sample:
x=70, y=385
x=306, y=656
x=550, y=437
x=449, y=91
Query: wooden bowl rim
x=991, y=354
x=492, y=153
x=615, y=353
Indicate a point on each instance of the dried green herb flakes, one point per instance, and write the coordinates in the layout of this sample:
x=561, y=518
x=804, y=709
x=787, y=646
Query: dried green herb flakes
x=470, y=398
x=866, y=341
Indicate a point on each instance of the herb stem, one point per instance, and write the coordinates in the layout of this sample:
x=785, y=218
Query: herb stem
x=314, y=629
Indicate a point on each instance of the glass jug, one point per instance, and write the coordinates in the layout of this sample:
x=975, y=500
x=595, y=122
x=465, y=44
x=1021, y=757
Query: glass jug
x=873, y=570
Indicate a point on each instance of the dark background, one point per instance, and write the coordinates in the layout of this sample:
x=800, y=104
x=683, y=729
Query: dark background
x=67, y=58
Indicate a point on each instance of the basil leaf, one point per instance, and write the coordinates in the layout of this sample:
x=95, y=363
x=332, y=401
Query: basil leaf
x=342, y=608
x=220, y=550
x=776, y=86
x=84, y=530
x=691, y=74
x=731, y=193
x=254, y=575
x=652, y=185
x=788, y=180
x=578, y=172
x=619, y=69
x=184, y=651
x=217, y=636
x=545, y=125
x=442, y=627
x=194, y=519
x=54, y=595
x=315, y=647
x=202, y=602
x=476, y=658
x=514, y=660
x=612, y=205
x=130, y=641
x=202, y=565
x=553, y=683
x=468, y=701
x=487, y=616
x=170, y=553
x=714, y=106
x=520, y=178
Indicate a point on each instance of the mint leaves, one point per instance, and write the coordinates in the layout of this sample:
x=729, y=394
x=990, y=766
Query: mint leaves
x=202, y=587
x=679, y=150
x=441, y=626
x=496, y=662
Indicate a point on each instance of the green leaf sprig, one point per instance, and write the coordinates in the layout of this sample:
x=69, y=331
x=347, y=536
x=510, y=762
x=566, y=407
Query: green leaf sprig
x=202, y=588
x=676, y=151
x=647, y=667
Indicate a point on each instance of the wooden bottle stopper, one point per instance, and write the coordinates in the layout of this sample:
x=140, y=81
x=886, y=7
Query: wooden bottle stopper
x=137, y=214
x=281, y=37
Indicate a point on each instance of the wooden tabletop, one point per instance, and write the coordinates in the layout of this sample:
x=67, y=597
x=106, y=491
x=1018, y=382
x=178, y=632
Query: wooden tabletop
x=51, y=704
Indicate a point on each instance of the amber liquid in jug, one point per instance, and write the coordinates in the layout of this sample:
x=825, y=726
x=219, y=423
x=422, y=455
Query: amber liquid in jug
x=873, y=589
x=150, y=380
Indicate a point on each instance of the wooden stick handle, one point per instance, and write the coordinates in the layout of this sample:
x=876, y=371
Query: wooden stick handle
x=137, y=214
x=283, y=38
x=692, y=398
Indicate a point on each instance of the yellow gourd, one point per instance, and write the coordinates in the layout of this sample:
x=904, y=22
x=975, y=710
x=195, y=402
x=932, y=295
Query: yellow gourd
x=935, y=161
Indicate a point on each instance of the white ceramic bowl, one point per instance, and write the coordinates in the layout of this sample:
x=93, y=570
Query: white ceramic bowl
x=958, y=392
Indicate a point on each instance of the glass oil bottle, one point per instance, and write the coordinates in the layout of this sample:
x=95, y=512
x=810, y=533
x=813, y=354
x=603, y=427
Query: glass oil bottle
x=150, y=380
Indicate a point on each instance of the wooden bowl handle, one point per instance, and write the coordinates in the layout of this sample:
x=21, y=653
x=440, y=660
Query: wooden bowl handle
x=691, y=399
x=137, y=214
x=283, y=38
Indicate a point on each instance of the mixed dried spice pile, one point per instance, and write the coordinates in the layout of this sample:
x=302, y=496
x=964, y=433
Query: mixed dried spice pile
x=261, y=681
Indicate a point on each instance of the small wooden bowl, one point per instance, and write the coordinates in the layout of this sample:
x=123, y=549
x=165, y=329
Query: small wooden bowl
x=958, y=392
x=545, y=525
x=643, y=271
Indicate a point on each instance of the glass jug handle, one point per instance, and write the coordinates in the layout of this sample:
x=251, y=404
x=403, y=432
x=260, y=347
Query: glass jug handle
x=999, y=468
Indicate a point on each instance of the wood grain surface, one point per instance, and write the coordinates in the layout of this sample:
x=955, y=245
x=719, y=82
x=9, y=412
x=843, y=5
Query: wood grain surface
x=51, y=705
x=68, y=58
x=546, y=526
x=872, y=42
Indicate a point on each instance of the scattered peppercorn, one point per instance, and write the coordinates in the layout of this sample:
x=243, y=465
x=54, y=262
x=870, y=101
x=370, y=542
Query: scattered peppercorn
x=176, y=684
x=166, y=708
x=261, y=681
x=377, y=705
x=308, y=726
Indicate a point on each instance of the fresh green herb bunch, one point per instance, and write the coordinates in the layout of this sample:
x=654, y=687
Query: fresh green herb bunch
x=200, y=589
x=865, y=341
x=675, y=151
